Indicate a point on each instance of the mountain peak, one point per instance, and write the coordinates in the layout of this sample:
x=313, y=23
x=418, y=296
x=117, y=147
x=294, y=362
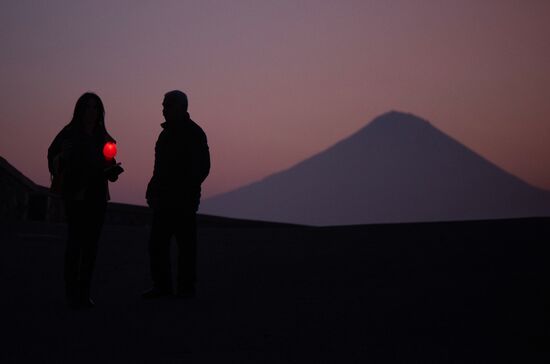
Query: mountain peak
x=398, y=118
x=392, y=125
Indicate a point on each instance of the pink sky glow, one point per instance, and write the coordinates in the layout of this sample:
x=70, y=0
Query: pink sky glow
x=274, y=82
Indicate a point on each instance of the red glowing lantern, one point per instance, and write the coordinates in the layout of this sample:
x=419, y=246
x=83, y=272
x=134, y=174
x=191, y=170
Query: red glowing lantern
x=109, y=150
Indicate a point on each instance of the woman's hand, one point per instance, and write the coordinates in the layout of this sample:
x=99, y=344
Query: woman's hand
x=112, y=172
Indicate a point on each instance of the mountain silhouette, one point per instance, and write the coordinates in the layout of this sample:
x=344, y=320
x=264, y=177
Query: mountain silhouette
x=398, y=168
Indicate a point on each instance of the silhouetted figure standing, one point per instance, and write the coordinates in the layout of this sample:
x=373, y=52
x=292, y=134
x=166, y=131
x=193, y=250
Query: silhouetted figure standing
x=80, y=173
x=182, y=163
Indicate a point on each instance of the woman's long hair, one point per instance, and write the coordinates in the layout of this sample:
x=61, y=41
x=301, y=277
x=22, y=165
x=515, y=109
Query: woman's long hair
x=80, y=109
x=100, y=133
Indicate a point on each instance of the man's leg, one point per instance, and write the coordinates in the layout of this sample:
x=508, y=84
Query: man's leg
x=159, y=252
x=186, y=235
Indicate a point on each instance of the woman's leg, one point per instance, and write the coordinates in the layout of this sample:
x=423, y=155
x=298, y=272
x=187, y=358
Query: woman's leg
x=95, y=215
x=73, y=250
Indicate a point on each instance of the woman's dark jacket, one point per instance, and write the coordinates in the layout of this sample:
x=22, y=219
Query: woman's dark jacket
x=78, y=158
x=182, y=163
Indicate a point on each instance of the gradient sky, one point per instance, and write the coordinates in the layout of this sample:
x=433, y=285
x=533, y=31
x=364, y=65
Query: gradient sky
x=274, y=82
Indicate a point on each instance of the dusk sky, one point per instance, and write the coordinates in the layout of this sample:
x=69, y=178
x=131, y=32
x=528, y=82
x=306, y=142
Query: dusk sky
x=274, y=82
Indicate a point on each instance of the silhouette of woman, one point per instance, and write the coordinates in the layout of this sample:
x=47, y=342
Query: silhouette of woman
x=80, y=173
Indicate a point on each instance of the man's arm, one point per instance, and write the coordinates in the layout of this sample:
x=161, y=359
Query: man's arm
x=201, y=161
x=152, y=193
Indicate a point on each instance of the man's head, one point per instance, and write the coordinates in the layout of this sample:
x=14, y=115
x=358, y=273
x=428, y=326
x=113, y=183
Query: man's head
x=174, y=106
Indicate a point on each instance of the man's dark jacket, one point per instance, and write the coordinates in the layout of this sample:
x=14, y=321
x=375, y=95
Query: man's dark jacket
x=182, y=163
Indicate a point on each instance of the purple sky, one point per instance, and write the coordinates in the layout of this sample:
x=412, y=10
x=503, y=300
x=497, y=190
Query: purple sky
x=274, y=82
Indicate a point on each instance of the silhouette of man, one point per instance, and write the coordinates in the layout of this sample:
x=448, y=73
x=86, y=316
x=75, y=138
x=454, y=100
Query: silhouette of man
x=182, y=163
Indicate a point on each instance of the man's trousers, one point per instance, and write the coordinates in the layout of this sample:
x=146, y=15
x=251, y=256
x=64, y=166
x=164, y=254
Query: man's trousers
x=182, y=225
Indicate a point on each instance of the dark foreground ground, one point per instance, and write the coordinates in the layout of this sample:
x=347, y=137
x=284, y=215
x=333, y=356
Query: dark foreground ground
x=420, y=293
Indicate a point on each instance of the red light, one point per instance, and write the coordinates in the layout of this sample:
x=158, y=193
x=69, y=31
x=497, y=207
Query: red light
x=109, y=150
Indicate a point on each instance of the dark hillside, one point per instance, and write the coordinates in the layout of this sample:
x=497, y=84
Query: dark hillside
x=464, y=292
